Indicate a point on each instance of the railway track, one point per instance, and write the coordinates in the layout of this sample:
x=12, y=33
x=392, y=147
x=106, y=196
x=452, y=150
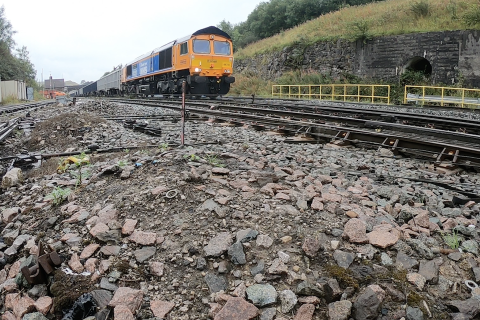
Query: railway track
x=25, y=106
x=444, y=142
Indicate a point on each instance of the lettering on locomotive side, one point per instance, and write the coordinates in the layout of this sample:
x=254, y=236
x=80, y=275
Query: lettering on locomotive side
x=212, y=61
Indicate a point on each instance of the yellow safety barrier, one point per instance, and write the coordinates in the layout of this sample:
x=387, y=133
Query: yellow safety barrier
x=335, y=92
x=443, y=96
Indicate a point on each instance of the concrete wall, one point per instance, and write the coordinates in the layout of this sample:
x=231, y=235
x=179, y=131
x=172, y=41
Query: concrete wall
x=453, y=55
x=13, y=88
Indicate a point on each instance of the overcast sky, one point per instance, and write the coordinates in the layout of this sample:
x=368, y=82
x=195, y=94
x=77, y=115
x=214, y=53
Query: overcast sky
x=81, y=40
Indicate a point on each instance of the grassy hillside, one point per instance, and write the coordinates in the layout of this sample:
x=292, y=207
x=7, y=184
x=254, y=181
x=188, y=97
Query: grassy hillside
x=390, y=17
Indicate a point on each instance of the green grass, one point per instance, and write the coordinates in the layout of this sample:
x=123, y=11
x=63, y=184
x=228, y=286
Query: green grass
x=10, y=100
x=390, y=17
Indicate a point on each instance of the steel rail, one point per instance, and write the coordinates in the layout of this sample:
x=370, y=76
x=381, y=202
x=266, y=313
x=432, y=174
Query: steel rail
x=362, y=123
x=20, y=107
x=356, y=115
x=440, y=150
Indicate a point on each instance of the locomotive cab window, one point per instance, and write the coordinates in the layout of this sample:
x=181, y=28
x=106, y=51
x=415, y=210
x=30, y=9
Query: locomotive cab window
x=221, y=47
x=201, y=46
x=184, y=48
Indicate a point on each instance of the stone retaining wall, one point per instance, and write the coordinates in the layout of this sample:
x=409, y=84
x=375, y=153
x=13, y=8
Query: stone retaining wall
x=454, y=56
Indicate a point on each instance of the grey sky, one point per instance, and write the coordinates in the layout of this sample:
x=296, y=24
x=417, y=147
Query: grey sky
x=81, y=40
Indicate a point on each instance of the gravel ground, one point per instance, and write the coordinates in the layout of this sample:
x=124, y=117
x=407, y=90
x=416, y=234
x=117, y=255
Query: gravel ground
x=249, y=228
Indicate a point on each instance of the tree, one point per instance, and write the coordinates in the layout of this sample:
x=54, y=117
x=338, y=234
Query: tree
x=13, y=66
x=6, y=31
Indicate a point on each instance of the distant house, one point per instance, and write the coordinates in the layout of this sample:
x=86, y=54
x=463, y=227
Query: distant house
x=54, y=84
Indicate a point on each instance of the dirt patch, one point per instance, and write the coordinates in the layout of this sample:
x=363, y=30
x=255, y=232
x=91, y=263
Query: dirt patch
x=62, y=131
x=67, y=288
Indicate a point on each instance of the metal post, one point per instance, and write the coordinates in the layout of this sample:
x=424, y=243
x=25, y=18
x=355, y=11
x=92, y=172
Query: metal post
x=182, y=133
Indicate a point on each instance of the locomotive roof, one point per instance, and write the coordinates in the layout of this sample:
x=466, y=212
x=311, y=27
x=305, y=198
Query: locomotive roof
x=207, y=30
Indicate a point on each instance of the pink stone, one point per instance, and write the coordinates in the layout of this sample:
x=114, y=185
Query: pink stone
x=161, y=308
x=282, y=196
x=317, y=204
x=25, y=305
x=417, y=279
x=11, y=299
x=43, y=304
x=237, y=309
x=332, y=197
x=104, y=266
x=156, y=268
x=355, y=231
x=107, y=214
x=14, y=270
x=383, y=235
x=129, y=226
x=143, y=238
x=99, y=228
x=159, y=190
x=311, y=246
x=75, y=263
x=122, y=312
x=9, y=214
x=128, y=297
x=217, y=170
x=91, y=265
x=8, y=316
x=310, y=299
x=305, y=312
x=89, y=250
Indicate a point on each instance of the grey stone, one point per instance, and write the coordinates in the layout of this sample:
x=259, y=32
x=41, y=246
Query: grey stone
x=414, y=313
x=38, y=291
x=429, y=269
x=259, y=268
x=386, y=260
x=421, y=248
x=218, y=245
x=476, y=272
x=337, y=232
x=201, y=263
x=455, y=256
x=305, y=288
x=288, y=300
x=246, y=235
x=268, y=314
x=107, y=285
x=236, y=254
x=367, y=306
x=34, y=316
x=144, y=254
x=262, y=295
x=101, y=297
x=302, y=204
x=343, y=259
x=209, y=205
x=215, y=283
x=470, y=307
x=470, y=246
x=451, y=212
x=406, y=261
x=223, y=267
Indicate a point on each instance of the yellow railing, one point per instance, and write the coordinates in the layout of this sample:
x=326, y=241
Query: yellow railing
x=443, y=96
x=336, y=92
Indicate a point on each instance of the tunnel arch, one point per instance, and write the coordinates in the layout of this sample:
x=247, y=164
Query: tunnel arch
x=419, y=64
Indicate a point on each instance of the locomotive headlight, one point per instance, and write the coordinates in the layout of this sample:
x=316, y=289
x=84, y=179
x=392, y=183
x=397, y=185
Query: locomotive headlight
x=227, y=71
x=198, y=70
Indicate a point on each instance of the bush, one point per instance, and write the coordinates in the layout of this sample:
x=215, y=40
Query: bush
x=472, y=17
x=420, y=9
x=361, y=31
x=413, y=78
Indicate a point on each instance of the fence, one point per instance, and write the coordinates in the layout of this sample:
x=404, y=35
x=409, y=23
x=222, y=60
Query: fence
x=459, y=97
x=335, y=92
